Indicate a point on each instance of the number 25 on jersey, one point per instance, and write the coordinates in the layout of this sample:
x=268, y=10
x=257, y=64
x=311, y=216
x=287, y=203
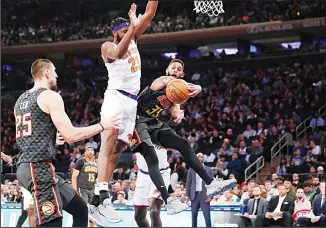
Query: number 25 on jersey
x=23, y=125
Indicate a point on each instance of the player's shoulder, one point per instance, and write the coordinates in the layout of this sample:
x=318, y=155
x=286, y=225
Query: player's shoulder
x=50, y=94
x=107, y=45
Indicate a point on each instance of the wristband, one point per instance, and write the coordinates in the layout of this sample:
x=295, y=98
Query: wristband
x=101, y=126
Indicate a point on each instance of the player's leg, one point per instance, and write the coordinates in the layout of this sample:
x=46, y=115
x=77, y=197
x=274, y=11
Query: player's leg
x=140, y=216
x=39, y=179
x=155, y=212
x=169, y=139
x=141, y=199
x=22, y=218
x=73, y=203
x=31, y=216
x=157, y=203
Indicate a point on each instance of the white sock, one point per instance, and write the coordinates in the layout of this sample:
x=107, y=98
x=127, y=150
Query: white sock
x=97, y=190
x=103, y=186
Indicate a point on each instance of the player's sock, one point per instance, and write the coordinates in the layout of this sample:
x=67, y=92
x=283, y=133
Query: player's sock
x=104, y=191
x=96, y=190
x=169, y=139
x=151, y=159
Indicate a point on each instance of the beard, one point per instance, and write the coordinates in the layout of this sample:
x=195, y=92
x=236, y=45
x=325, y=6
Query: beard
x=54, y=87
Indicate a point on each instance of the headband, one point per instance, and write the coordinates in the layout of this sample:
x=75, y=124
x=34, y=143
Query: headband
x=120, y=26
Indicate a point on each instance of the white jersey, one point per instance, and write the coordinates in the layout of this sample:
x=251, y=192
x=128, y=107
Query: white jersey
x=124, y=74
x=162, y=159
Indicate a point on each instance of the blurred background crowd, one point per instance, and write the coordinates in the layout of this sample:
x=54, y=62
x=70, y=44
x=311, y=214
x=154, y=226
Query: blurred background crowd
x=246, y=107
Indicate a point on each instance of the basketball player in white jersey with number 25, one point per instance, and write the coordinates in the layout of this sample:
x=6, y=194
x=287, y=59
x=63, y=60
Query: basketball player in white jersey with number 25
x=122, y=60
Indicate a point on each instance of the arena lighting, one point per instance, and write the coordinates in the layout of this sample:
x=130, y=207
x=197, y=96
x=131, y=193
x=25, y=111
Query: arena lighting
x=170, y=55
x=228, y=51
x=294, y=45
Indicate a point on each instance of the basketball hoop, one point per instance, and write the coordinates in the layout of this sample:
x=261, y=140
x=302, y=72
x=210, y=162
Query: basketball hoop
x=210, y=7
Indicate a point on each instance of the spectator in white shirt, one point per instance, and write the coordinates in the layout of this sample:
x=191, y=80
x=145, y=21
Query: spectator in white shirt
x=249, y=132
x=270, y=191
x=92, y=143
x=316, y=150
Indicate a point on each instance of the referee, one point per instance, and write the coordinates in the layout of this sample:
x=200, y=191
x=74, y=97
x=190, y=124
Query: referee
x=85, y=174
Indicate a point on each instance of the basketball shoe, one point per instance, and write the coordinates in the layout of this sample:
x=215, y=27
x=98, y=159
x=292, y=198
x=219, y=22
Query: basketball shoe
x=218, y=186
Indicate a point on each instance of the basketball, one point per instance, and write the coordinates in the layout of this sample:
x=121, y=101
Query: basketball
x=177, y=91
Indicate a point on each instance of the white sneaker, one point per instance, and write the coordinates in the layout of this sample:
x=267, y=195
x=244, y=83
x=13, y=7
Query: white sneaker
x=108, y=212
x=94, y=216
x=218, y=186
x=175, y=206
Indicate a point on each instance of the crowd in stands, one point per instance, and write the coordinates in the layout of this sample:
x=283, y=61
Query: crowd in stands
x=59, y=21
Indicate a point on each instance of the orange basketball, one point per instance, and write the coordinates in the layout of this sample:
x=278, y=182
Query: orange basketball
x=177, y=91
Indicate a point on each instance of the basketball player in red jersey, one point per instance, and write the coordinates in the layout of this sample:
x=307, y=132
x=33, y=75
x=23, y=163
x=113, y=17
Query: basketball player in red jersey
x=122, y=60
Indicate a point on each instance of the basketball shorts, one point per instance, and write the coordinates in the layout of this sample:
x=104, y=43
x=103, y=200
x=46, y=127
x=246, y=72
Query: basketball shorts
x=147, y=130
x=50, y=192
x=145, y=189
x=86, y=194
x=116, y=103
x=27, y=197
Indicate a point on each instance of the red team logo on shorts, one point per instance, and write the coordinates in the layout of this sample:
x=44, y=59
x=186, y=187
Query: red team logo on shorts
x=48, y=208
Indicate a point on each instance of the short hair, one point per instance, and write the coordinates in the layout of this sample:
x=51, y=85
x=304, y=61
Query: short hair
x=117, y=21
x=281, y=185
x=307, y=184
x=267, y=181
x=39, y=65
x=177, y=61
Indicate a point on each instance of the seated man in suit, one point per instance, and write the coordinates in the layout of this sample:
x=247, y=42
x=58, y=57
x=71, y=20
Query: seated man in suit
x=256, y=209
x=319, y=210
x=280, y=209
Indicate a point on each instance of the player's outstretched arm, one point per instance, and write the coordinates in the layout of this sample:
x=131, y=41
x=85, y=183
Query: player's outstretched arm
x=145, y=20
x=110, y=51
x=161, y=82
x=52, y=103
x=194, y=89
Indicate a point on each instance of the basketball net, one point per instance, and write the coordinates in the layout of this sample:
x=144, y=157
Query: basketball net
x=210, y=7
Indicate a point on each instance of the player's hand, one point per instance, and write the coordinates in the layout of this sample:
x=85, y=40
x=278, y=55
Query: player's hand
x=180, y=116
x=59, y=140
x=7, y=159
x=114, y=122
x=194, y=89
x=134, y=21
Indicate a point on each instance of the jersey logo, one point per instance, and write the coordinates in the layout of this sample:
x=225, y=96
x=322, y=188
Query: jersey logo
x=48, y=208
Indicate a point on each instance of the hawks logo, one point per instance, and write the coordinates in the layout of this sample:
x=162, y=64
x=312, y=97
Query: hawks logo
x=48, y=208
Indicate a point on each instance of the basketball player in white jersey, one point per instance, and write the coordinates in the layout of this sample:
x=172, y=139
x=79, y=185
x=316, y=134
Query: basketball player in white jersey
x=146, y=194
x=122, y=60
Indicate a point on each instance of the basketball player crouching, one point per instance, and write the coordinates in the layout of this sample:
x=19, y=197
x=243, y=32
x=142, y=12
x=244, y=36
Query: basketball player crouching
x=150, y=131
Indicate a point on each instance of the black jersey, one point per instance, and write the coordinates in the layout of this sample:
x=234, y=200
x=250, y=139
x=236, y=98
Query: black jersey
x=151, y=103
x=35, y=131
x=87, y=175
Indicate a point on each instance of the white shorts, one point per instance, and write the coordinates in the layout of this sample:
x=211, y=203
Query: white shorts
x=28, y=199
x=116, y=103
x=145, y=188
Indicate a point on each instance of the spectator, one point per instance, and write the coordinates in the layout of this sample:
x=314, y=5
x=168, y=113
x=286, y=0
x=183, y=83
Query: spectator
x=249, y=132
x=317, y=121
x=302, y=206
x=296, y=180
x=316, y=150
x=289, y=189
x=92, y=143
x=280, y=209
x=120, y=198
x=234, y=166
x=319, y=211
x=256, y=209
x=309, y=191
x=270, y=191
x=281, y=169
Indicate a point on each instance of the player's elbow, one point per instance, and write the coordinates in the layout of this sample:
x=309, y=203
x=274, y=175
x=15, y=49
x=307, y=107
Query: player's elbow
x=69, y=138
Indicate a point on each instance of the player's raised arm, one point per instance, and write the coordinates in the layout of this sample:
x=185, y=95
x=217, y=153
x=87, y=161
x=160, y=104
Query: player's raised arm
x=110, y=50
x=53, y=103
x=161, y=82
x=146, y=19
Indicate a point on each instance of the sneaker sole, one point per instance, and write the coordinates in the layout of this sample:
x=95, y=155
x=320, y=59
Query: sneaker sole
x=174, y=213
x=95, y=221
x=226, y=187
x=110, y=220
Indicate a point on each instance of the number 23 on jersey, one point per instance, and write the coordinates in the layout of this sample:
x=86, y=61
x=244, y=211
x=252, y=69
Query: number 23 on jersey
x=23, y=125
x=134, y=64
